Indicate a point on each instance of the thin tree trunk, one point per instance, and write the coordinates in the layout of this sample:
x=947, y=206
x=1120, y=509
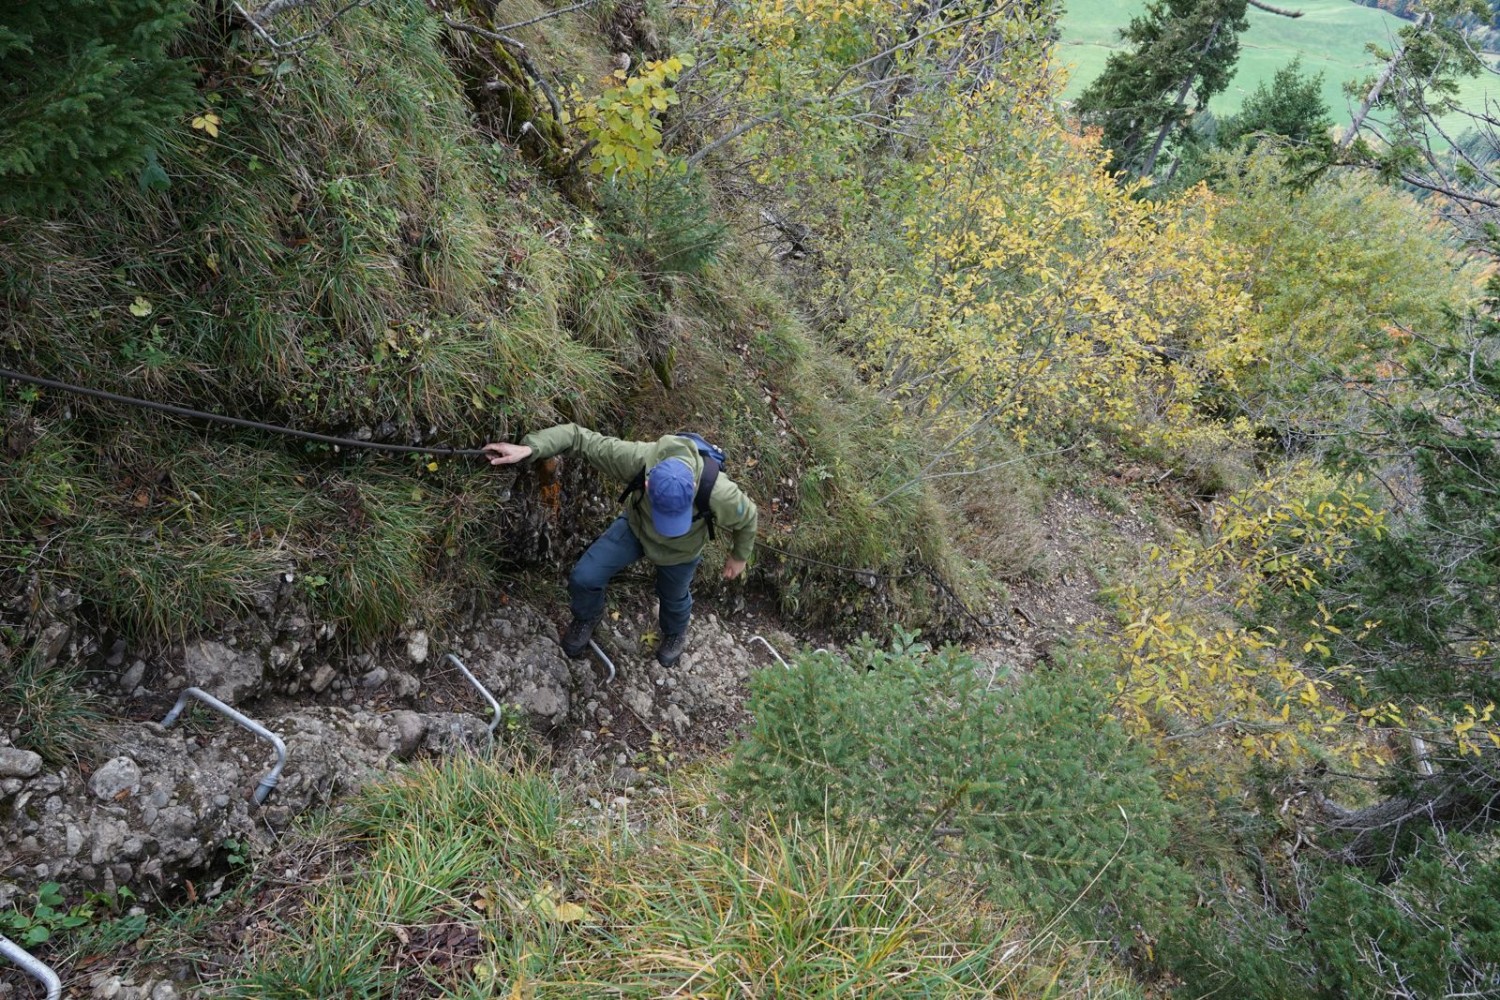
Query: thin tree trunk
x=1375, y=91
x=1169, y=121
x=1182, y=94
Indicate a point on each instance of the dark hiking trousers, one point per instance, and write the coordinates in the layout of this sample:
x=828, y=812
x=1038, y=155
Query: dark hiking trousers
x=613, y=551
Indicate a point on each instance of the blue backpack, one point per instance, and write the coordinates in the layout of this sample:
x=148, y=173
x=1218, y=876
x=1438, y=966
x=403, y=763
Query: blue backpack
x=713, y=460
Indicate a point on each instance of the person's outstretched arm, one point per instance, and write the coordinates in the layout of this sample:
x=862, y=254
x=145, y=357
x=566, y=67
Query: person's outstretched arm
x=611, y=456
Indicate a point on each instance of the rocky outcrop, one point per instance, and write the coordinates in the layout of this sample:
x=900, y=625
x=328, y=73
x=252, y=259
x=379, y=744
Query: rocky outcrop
x=169, y=799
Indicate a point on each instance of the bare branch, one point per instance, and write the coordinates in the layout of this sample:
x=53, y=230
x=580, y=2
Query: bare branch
x=518, y=49
x=259, y=29
x=547, y=16
x=1462, y=197
x=1279, y=11
x=1374, y=94
x=275, y=7
x=727, y=137
x=259, y=19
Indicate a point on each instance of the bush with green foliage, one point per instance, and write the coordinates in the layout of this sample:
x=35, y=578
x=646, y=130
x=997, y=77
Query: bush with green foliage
x=1031, y=786
x=664, y=223
x=477, y=878
x=83, y=88
x=1037, y=785
x=1341, y=270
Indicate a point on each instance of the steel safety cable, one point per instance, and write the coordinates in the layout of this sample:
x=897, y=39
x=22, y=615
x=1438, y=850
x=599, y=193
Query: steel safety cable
x=183, y=411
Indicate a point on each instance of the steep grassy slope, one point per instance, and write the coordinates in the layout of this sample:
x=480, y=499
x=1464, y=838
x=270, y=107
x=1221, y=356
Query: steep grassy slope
x=355, y=251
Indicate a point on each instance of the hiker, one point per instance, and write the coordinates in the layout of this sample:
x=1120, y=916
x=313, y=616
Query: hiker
x=674, y=503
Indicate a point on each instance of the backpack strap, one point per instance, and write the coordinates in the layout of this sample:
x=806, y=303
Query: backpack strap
x=636, y=485
x=705, y=492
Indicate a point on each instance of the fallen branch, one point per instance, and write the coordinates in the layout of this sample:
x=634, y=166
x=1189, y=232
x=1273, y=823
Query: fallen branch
x=258, y=21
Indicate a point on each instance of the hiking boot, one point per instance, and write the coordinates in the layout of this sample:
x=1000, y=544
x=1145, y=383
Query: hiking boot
x=670, y=650
x=575, y=641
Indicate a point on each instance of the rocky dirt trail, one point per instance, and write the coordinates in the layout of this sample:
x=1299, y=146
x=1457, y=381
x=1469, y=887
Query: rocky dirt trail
x=167, y=807
x=1086, y=546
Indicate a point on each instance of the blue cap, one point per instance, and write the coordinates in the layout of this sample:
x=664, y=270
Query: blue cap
x=670, y=487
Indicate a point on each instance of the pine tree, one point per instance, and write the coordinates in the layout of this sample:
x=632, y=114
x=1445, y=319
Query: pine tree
x=1182, y=48
x=1290, y=107
x=81, y=86
x=1433, y=586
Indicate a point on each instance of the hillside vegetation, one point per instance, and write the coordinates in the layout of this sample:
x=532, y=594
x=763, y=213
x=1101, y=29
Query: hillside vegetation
x=861, y=245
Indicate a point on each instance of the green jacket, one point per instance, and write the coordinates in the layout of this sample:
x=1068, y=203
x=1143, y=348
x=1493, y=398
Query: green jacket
x=733, y=511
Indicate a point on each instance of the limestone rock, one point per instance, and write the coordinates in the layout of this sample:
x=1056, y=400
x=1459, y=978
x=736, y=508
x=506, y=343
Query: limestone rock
x=231, y=675
x=404, y=685
x=374, y=678
x=131, y=678
x=53, y=641
x=417, y=647
x=115, y=779
x=410, y=729
x=17, y=763
x=321, y=678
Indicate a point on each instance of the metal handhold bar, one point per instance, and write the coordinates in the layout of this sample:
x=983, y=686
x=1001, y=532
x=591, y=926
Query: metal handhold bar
x=764, y=642
x=33, y=966
x=495, y=722
x=607, y=661
x=272, y=776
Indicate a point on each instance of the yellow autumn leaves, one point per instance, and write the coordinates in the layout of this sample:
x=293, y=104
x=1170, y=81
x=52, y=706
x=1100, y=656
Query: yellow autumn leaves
x=623, y=124
x=1046, y=296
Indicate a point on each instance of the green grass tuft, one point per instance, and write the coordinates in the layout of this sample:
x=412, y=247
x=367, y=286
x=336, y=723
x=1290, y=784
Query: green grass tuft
x=48, y=711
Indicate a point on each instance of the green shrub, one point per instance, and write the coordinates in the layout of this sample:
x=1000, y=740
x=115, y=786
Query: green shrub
x=83, y=86
x=1435, y=929
x=664, y=224
x=1036, y=785
x=476, y=878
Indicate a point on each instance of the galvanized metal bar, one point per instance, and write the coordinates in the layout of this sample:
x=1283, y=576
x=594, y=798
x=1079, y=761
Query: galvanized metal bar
x=272, y=776
x=607, y=661
x=34, y=967
x=764, y=642
x=495, y=722
x=1422, y=756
